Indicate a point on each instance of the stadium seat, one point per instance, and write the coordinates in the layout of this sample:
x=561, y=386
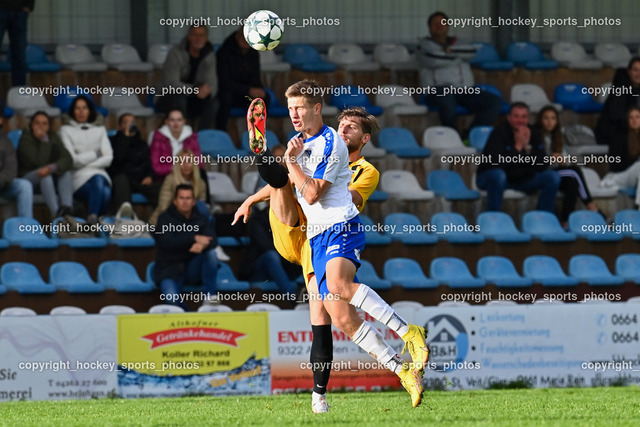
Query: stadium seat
x=307, y=58
x=628, y=267
x=445, y=141
x=546, y=270
x=67, y=310
x=270, y=63
x=214, y=308
x=37, y=61
x=583, y=223
x=407, y=305
x=594, y=183
x=17, y=311
x=11, y=231
x=408, y=229
x=632, y=300
x=272, y=140
x=276, y=109
x=24, y=278
x=367, y=274
x=454, y=228
x=124, y=102
x=529, y=56
x=378, y=196
x=424, y=99
x=157, y=54
x=478, y=137
x=26, y=103
x=581, y=141
x=350, y=57
x=407, y=273
x=122, y=277
x=501, y=272
x=252, y=182
x=227, y=281
x=592, y=269
x=215, y=143
x=449, y=184
x=370, y=151
x=4, y=67
x=78, y=58
x=165, y=309
x=454, y=273
x=395, y=57
x=629, y=221
x=573, y=56
x=499, y=226
x=573, y=96
x=488, y=59
x=73, y=277
x=63, y=101
x=532, y=95
x=302, y=306
x=371, y=236
x=501, y=302
x=78, y=242
x=614, y=55
x=14, y=136
x=3, y=289
x=117, y=309
x=453, y=304
x=403, y=185
x=402, y=143
x=222, y=189
x=262, y=306
x=546, y=227
x=396, y=101
x=504, y=109
x=124, y=58
x=352, y=96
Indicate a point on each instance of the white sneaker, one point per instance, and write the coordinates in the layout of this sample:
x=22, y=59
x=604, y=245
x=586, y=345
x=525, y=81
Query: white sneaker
x=221, y=254
x=319, y=403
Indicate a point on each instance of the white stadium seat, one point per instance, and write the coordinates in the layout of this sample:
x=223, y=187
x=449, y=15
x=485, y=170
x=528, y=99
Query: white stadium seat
x=165, y=309
x=394, y=57
x=222, y=189
x=17, y=311
x=65, y=310
x=532, y=95
x=350, y=57
x=271, y=63
x=615, y=55
x=27, y=104
x=403, y=185
x=158, y=54
x=78, y=58
x=262, y=306
x=125, y=103
x=445, y=141
x=117, y=309
x=125, y=58
x=572, y=55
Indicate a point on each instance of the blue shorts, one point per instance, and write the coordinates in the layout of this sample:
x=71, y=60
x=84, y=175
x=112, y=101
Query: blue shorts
x=342, y=240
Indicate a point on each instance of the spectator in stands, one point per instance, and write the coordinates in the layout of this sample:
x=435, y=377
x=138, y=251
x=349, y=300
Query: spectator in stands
x=630, y=175
x=443, y=64
x=131, y=170
x=515, y=159
x=189, y=82
x=239, y=76
x=13, y=19
x=45, y=162
x=90, y=149
x=612, y=127
x=185, y=247
x=572, y=182
x=11, y=186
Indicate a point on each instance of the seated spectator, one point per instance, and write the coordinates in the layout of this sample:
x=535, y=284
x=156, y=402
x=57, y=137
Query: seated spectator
x=168, y=140
x=238, y=67
x=516, y=160
x=443, y=63
x=90, y=150
x=630, y=175
x=572, y=182
x=189, y=82
x=45, y=162
x=11, y=186
x=612, y=127
x=131, y=170
x=185, y=257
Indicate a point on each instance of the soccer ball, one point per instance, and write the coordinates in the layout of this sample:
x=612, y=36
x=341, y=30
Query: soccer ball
x=263, y=30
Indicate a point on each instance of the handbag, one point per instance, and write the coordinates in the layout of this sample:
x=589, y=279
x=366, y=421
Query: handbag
x=126, y=224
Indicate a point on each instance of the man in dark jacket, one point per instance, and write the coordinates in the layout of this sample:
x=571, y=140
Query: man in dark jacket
x=10, y=186
x=131, y=170
x=189, y=82
x=238, y=68
x=185, y=252
x=515, y=159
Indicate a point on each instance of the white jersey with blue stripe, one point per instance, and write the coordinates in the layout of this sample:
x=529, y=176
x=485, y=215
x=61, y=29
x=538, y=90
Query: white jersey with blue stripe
x=325, y=156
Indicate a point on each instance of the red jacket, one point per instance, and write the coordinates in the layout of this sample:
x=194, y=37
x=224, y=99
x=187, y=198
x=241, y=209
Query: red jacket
x=161, y=148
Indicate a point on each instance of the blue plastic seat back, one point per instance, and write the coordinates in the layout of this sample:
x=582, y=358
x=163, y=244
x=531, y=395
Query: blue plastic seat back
x=12, y=226
x=446, y=183
x=36, y=55
x=495, y=223
x=478, y=137
x=442, y=219
x=405, y=223
x=392, y=138
x=485, y=53
x=113, y=273
x=628, y=265
x=213, y=141
x=541, y=222
x=349, y=96
x=69, y=273
x=272, y=138
x=630, y=218
x=16, y=274
x=521, y=52
x=14, y=136
x=540, y=267
x=492, y=267
x=399, y=269
x=301, y=53
x=587, y=265
x=449, y=268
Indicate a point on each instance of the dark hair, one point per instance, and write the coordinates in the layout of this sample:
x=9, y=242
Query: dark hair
x=307, y=89
x=92, y=109
x=166, y=116
x=122, y=116
x=632, y=61
x=556, y=133
x=193, y=27
x=368, y=122
x=518, y=104
x=433, y=15
x=183, y=187
x=38, y=113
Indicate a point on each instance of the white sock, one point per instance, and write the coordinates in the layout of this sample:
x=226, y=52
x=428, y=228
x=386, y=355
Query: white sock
x=368, y=300
x=370, y=340
x=317, y=396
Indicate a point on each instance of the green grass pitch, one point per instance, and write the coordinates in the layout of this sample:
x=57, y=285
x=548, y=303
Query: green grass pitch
x=611, y=406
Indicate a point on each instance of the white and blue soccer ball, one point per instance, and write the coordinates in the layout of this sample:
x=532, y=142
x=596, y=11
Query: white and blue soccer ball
x=263, y=30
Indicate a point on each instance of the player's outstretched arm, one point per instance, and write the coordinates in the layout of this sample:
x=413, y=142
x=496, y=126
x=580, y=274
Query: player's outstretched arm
x=244, y=211
x=312, y=189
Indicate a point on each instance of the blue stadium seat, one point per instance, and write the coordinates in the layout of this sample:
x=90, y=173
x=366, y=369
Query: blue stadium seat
x=628, y=191
x=573, y=96
x=379, y=196
x=14, y=136
x=478, y=137
x=74, y=278
x=501, y=272
x=306, y=58
x=545, y=226
x=628, y=267
x=488, y=59
x=449, y=184
x=453, y=227
x=407, y=273
x=454, y=272
x=292, y=133
x=3, y=289
x=63, y=102
x=217, y=142
x=529, y=56
x=275, y=108
x=37, y=61
x=630, y=220
x=402, y=143
x=499, y=226
x=4, y=244
x=227, y=281
x=367, y=274
x=408, y=229
x=8, y=111
x=350, y=96
x=460, y=110
x=127, y=242
x=24, y=278
x=584, y=223
x=272, y=139
x=79, y=242
x=14, y=230
x=372, y=237
x=139, y=199
x=547, y=271
x=504, y=109
x=230, y=241
x=122, y=277
x=592, y=269
x=148, y=277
